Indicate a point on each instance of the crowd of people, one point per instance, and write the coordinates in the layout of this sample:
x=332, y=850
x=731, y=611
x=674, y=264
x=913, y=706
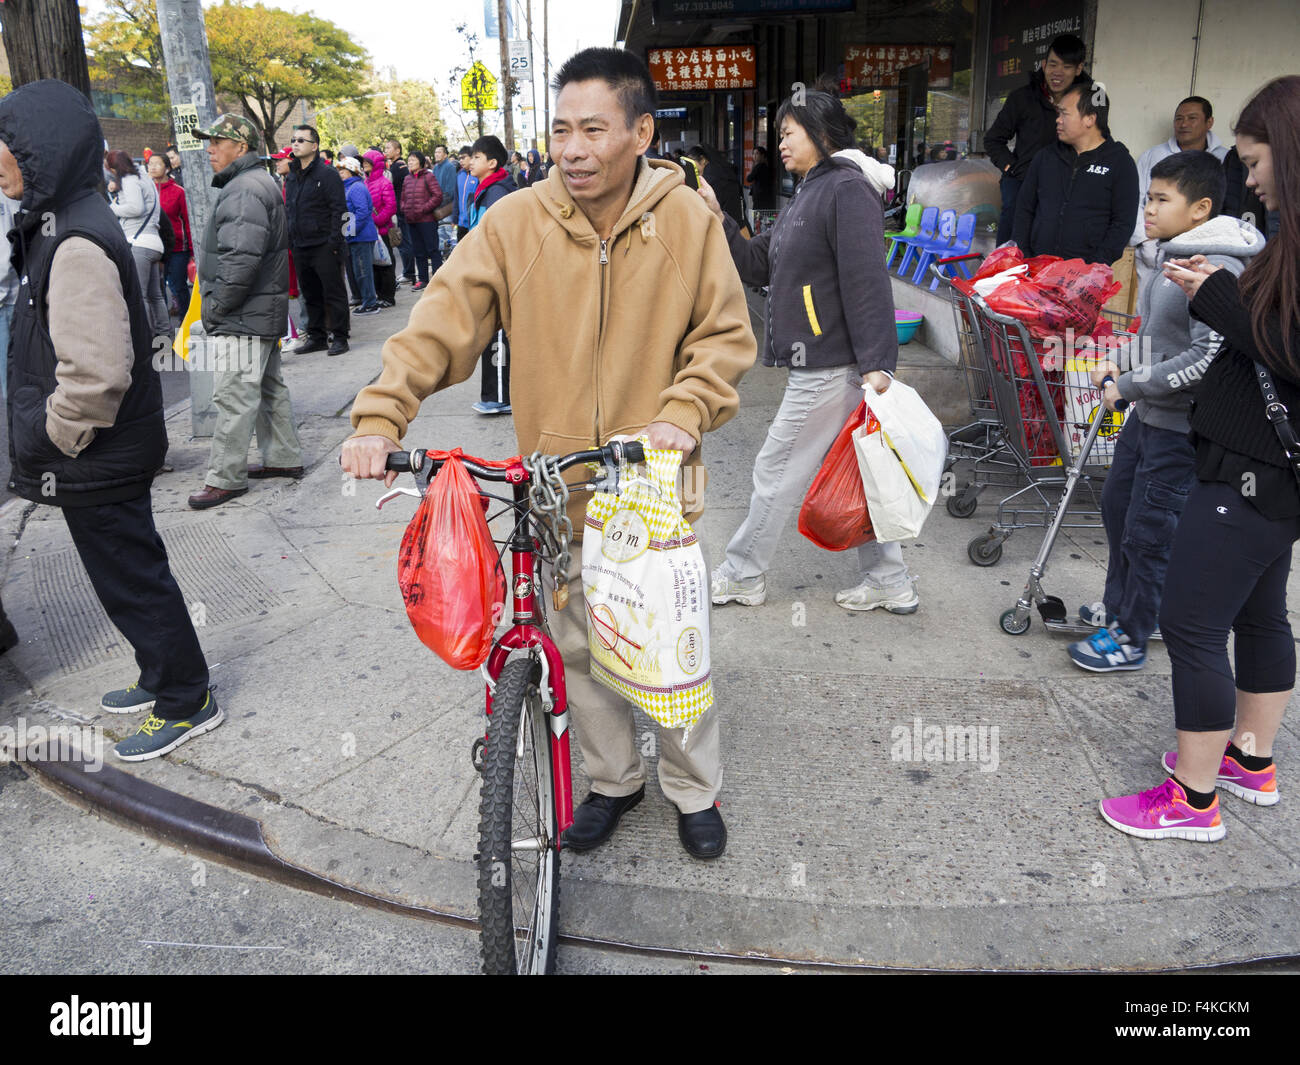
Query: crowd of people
x=663, y=308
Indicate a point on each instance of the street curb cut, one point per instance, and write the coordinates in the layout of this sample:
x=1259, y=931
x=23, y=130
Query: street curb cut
x=222, y=834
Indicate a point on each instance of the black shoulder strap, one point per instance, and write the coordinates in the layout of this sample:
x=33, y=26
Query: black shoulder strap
x=1277, y=414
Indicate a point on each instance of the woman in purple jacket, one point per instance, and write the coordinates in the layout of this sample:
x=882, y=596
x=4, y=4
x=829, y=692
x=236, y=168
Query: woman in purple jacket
x=830, y=320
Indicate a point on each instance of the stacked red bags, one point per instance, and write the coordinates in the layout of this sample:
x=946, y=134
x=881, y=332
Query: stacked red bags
x=1062, y=295
x=448, y=568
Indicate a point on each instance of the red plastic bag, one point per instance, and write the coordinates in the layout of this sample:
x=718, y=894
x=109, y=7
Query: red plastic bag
x=1034, y=266
x=834, y=515
x=449, y=570
x=997, y=260
x=1063, y=295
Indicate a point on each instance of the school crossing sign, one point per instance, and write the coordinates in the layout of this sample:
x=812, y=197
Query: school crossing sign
x=478, y=89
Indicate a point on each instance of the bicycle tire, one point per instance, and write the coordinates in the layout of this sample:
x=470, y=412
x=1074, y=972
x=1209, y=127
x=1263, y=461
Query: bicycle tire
x=519, y=889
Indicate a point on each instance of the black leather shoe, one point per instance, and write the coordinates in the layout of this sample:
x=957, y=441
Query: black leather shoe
x=306, y=347
x=595, y=820
x=702, y=834
x=338, y=346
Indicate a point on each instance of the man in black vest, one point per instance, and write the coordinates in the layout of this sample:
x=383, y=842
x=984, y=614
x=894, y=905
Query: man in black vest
x=86, y=428
x=317, y=209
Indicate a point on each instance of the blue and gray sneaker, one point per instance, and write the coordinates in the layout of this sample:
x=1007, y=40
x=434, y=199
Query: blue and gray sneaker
x=1107, y=651
x=129, y=700
x=1096, y=615
x=158, y=736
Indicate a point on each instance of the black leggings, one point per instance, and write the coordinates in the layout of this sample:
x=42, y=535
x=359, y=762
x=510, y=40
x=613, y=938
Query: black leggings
x=1228, y=570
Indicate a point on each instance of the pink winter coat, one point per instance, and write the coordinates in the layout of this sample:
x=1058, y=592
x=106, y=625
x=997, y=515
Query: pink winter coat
x=381, y=193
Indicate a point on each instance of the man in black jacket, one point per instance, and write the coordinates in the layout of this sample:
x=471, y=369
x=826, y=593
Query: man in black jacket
x=1078, y=197
x=243, y=276
x=1029, y=117
x=317, y=213
x=85, y=406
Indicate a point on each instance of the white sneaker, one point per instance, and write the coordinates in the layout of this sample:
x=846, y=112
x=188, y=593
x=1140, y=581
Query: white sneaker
x=750, y=592
x=900, y=600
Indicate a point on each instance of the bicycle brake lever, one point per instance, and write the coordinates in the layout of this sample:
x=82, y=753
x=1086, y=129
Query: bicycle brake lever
x=393, y=494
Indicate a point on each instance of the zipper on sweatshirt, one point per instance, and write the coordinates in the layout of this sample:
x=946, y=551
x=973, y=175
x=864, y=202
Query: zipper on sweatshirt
x=600, y=337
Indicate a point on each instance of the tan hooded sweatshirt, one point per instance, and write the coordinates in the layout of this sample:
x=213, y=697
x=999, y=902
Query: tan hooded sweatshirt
x=605, y=336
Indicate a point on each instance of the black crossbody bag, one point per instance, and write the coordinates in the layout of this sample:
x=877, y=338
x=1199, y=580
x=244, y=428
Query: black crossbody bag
x=1277, y=414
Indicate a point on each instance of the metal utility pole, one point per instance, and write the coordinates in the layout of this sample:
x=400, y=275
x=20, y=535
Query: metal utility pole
x=507, y=82
x=546, y=75
x=194, y=104
x=532, y=71
x=43, y=40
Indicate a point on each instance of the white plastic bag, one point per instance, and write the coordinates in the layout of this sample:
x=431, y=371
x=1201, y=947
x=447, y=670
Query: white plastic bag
x=647, y=592
x=901, y=461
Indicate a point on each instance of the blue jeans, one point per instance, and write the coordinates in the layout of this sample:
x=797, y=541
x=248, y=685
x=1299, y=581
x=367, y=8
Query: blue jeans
x=175, y=274
x=1146, y=489
x=814, y=409
x=6, y=313
x=363, y=269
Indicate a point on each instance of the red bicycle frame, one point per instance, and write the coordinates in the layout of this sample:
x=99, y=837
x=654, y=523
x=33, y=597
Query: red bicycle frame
x=526, y=632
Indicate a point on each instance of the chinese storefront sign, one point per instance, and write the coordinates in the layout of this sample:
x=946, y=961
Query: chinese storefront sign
x=876, y=66
x=1021, y=35
x=684, y=69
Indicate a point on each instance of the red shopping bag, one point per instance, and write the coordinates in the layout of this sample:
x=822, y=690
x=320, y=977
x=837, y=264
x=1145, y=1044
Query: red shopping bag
x=834, y=515
x=449, y=571
x=999, y=259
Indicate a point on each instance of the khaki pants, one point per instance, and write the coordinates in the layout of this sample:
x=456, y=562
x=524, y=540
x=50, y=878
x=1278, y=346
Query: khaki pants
x=250, y=395
x=690, y=772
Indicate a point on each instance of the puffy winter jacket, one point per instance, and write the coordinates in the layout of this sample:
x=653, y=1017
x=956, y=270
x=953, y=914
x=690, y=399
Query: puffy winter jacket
x=361, y=211
x=421, y=196
x=383, y=198
x=243, y=267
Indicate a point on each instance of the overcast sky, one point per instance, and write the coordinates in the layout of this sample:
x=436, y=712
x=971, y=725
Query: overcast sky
x=419, y=38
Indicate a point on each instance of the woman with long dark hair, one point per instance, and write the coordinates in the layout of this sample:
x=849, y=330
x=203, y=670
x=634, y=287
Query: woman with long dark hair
x=135, y=201
x=830, y=318
x=1232, y=551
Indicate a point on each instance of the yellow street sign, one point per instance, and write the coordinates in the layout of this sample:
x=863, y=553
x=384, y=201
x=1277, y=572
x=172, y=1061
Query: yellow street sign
x=478, y=89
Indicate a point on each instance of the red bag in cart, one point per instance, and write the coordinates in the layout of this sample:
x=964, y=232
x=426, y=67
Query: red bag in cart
x=448, y=568
x=834, y=515
x=1062, y=295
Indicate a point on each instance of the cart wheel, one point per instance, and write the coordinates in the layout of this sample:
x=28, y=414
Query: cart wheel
x=1011, y=626
x=963, y=504
x=985, y=550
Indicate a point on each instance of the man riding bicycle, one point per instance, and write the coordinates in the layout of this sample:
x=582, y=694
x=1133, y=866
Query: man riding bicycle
x=625, y=315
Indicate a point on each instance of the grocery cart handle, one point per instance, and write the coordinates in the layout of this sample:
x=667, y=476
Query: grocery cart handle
x=1120, y=404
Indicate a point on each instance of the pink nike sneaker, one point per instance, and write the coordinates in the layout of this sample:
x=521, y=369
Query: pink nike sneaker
x=1164, y=813
x=1259, y=788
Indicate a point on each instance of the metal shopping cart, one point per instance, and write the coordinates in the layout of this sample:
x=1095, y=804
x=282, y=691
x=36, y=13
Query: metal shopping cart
x=980, y=442
x=1046, y=416
x=764, y=220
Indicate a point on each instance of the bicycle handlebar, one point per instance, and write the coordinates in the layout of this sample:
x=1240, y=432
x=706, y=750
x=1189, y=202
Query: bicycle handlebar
x=615, y=453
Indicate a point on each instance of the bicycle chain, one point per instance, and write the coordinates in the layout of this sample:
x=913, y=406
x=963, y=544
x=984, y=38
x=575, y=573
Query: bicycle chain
x=548, y=494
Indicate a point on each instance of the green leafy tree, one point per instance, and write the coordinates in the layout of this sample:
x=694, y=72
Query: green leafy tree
x=270, y=60
x=417, y=123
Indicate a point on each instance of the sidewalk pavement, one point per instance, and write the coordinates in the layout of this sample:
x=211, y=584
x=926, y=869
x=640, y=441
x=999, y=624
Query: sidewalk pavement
x=344, y=761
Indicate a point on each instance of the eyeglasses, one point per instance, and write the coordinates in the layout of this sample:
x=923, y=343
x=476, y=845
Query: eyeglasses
x=301, y=140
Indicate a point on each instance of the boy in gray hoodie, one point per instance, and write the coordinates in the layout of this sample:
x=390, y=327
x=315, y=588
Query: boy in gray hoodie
x=1154, y=463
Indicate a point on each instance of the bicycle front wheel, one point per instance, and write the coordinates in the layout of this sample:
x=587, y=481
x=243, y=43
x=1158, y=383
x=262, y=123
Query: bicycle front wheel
x=519, y=865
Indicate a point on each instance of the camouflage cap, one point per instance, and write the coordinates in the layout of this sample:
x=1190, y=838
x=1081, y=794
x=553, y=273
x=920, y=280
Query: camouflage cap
x=232, y=128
